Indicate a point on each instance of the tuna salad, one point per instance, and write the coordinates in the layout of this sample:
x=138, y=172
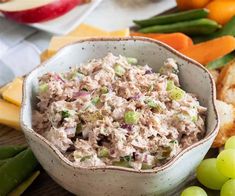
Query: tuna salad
x=113, y=111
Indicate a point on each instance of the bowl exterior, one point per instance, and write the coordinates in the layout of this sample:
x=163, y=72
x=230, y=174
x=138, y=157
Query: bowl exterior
x=115, y=180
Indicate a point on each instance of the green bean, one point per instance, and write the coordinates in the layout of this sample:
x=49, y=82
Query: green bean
x=17, y=169
x=228, y=29
x=218, y=63
x=193, y=27
x=173, y=18
x=10, y=151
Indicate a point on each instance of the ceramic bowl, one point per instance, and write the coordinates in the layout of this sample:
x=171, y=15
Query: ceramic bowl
x=113, y=180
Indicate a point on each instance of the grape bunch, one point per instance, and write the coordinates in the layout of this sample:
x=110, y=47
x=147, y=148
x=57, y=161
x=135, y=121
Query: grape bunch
x=216, y=173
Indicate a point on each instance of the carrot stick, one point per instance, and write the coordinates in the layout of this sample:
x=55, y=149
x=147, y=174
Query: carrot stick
x=208, y=51
x=178, y=41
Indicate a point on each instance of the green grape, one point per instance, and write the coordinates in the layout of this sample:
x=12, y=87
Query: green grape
x=230, y=144
x=205, y=170
x=226, y=163
x=228, y=189
x=193, y=191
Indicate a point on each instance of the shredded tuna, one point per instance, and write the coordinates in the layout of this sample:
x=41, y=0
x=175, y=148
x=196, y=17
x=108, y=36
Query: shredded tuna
x=111, y=111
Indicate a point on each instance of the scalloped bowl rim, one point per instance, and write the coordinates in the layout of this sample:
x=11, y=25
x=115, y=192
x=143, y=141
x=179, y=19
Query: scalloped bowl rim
x=171, y=162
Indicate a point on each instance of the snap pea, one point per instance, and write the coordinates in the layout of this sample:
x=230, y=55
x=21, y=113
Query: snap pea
x=228, y=29
x=2, y=162
x=19, y=190
x=218, y=63
x=16, y=170
x=173, y=18
x=193, y=27
x=10, y=151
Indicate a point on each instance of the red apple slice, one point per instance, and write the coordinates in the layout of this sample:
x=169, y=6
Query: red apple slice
x=32, y=11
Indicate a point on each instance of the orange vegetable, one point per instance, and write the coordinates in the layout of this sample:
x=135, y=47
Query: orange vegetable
x=178, y=41
x=191, y=4
x=208, y=51
x=221, y=10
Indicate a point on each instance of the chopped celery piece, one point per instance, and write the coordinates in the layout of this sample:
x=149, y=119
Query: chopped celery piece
x=146, y=166
x=122, y=164
x=127, y=158
x=85, y=158
x=103, y=152
x=131, y=60
x=95, y=100
x=151, y=103
x=65, y=114
x=176, y=94
x=119, y=70
x=194, y=119
x=104, y=90
x=174, y=142
x=170, y=85
x=131, y=117
x=43, y=88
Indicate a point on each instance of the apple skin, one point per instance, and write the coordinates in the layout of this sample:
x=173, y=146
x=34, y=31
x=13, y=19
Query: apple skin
x=44, y=13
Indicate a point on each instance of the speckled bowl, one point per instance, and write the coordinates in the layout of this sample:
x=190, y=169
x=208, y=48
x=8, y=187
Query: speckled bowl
x=113, y=180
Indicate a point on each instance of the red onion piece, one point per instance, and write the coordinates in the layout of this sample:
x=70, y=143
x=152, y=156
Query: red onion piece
x=81, y=94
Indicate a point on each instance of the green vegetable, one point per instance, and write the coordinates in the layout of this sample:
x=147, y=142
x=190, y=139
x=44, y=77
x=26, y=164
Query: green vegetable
x=170, y=85
x=176, y=94
x=127, y=158
x=10, y=151
x=151, y=103
x=122, y=164
x=95, y=100
x=194, y=27
x=228, y=29
x=146, y=166
x=85, y=158
x=119, y=70
x=173, y=18
x=2, y=162
x=65, y=114
x=194, y=119
x=218, y=63
x=103, y=152
x=131, y=117
x=104, y=90
x=131, y=60
x=16, y=170
x=43, y=88
x=24, y=185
